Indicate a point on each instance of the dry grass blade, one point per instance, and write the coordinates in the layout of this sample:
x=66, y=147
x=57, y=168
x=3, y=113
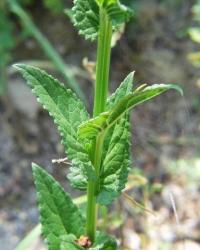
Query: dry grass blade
x=137, y=204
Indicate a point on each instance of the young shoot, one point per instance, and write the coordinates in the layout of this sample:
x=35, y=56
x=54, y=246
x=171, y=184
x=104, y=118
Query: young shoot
x=97, y=146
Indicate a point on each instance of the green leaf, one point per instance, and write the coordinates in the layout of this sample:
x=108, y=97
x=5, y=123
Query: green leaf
x=86, y=15
x=114, y=123
x=104, y=242
x=117, y=12
x=116, y=164
x=93, y=127
x=70, y=246
x=68, y=113
x=112, y=182
x=68, y=242
x=58, y=214
x=124, y=89
x=116, y=153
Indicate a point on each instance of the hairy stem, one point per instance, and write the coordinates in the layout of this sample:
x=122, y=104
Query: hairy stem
x=101, y=92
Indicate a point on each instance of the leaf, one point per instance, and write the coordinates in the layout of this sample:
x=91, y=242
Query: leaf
x=124, y=89
x=68, y=113
x=115, y=124
x=58, y=214
x=104, y=242
x=116, y=164
x=116, y=153
x=86, y=18
x=93, y=127
x=68, y=242
x=70, y=246
x=117, y=12
x=86, y=15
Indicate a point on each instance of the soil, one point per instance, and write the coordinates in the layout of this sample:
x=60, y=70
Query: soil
x=165, y=131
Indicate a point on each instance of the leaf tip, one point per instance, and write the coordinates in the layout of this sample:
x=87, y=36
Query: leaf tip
x=132, y=73
x=177, y=88
x=35, y=167
x=18, y=66
x=130, y=77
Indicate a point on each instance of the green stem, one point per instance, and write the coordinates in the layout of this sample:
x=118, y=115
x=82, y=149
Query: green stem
x=103, y=63
x=101, y=92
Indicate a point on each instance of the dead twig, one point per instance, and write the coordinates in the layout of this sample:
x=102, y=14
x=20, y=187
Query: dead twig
x=137, y=204
x=62, y=160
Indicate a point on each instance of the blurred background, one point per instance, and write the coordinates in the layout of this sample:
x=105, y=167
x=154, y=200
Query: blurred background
x=161, y=208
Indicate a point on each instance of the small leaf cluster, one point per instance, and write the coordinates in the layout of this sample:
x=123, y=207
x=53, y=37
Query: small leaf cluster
x=86, y=15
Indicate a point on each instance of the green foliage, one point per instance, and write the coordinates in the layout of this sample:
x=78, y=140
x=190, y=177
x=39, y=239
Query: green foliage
x=69, y=242
x=99, y=147
x=68, y=113
x=85, y=15
x=62, y=222
x=77, y=130
x=70, y=245
x=116, y=153
x=115, y=126
x=58, y=214
x=104, y=242
x=92, y=128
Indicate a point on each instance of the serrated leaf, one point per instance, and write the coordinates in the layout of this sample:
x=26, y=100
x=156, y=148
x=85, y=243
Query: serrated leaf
x=86, y=15
x=59, y=216
x=68, y=113
x=90, y=130
x=116, y=155
x=116, y=163
x=104, y=242
x=117, y=12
